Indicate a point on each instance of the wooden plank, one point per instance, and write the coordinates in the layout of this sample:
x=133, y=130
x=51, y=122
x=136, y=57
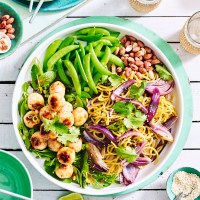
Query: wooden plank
x=6, y=91
x=145, y=195
x=186, y=158
x=7, y=132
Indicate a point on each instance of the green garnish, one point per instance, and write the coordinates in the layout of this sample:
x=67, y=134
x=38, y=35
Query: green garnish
x=115, y=80
x=137, y=92
x=123, y=108
x=163, y=72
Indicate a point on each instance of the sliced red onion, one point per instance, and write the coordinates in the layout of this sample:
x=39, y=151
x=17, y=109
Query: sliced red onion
x=153, y=106
x=170, y=122
x=138, y=104
x=98, y=168
x=128, y=174
x=121, y=88
x=139, y=148
x=141, y=161
x=162, y=132
x=163, y=87
x=104, y=131
x=129, y=134
x=93, y=140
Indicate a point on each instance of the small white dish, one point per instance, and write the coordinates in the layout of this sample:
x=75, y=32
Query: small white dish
x=8, y=41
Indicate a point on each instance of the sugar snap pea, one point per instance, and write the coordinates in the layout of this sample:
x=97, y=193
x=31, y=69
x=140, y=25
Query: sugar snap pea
x=97, y=30
x=59, y=54
x=52, y=48
x=86, y=64
x=97, y=63
x=89, y=38
x=80, y=65
x=112, y=39
x=74, y=76
x=98, y=48
x=82, y=52
x=67, y=41
x=62, y=74
x=116, y=60
x=106, y=56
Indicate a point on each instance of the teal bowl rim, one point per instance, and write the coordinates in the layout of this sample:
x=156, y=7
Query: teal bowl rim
x=13, y=49
x=175, y=61
x=171, y=176
x=24, y=167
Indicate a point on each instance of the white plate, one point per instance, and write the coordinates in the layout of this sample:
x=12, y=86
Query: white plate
x=144, y=174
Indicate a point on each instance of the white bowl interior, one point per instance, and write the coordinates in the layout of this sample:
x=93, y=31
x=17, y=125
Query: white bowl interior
x=145, y=173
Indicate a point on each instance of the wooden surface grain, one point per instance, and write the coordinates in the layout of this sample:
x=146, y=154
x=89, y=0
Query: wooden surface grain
x=166, y=21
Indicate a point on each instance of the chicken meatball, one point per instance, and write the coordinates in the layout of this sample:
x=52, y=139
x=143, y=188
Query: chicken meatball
x=54, y=145
x=46, y=113
x=57, y=87
x=80, y=116
x=56, y=101
x=67, y=118
x=66, y=155
x=38, y=142
x=76, y=146
x=67, y=107
x=47, y=134
x=64, y=171
x=31, y=119
x=35, y=101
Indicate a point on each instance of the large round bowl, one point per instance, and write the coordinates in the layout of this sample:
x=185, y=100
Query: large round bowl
x=165, y=53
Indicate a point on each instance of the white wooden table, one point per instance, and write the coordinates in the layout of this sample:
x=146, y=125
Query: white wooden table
x=166, y=21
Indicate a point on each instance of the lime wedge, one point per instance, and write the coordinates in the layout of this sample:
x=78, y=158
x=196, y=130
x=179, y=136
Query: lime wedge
x=72, y=196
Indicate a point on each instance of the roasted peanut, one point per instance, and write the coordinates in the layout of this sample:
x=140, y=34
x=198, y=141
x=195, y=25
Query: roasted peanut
x=11, y=36
x=123, y=40
x=134, y=45
x=148, y=56
x=139, y=75
x=149, y=68
x=119, y=70
x=147, y=64
x=5, y=17
x=142, y=70
x=132, y=54
x=3, y=24
x=131, y=38
x=127, y=43
x=155, y=61
x=8, y=26
x=128, y=72
x=126, y=61
x=136, y=49
x=11, y=30
x=3, y=30
x=131, y=60
x=140, y=44
x=122, y=51
x=139, y=53
x=10, y=21
x=129, y=48
x=134, y=67
x=139, y=62
x=116, y=51
x=140, y=58
x=148, y=50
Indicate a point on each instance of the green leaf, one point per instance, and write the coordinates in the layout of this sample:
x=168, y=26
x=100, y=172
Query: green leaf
x=163, y=72
x=137, y=92
x=135, y=120
x=127, y=153
x=47, y=78
x=115, y=80
x=123, y=108
x=46, y=153
x=118, y=127
x=55, y=126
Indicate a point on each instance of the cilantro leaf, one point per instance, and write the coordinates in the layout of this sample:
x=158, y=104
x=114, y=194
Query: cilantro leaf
x=127, y=153
x=123, y=108
x=163, y=72
x=55, y=126
x=115, y=80
x=135, y=120
x=137, y=92
x=70, y=136
x=117, y=126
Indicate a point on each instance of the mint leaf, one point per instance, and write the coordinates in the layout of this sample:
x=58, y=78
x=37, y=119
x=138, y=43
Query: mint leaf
x=135, y=120
x=137, y=92
x=115, y=80
x=127, y=153
x=55, y=126
x=123, y=108
x=163, y=72
x=117, y=127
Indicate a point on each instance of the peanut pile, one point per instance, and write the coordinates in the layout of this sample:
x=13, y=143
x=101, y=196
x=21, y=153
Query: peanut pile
x=136, y=57
x=6, y=26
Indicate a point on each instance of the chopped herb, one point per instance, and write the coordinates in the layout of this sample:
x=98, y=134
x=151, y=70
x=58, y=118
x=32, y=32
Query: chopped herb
x=117, y=127
x=137, y=92
x=163, y=72
x=127, y=153
x=115, y=80
x=123, y=108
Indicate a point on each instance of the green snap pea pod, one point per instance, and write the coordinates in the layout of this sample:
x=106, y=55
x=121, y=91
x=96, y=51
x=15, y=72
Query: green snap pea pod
x=116, y=60
x=82, y=53
x=98, y=48
x=62, y=74
x=104, y=41
x=79, y=102
x=80, y=65
x=59, y=54
x=104, y=78
x=76, y=65
x=67, y=56
x=113, y=49
x=86, y=63
x=89, y=38
x=87, y=31
x=52, y=48
x=97, y=63
x=106, y=57
x=97, y=77
x=67, y=41
x=74, y=76
x=112, y=39
x=115, y=34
